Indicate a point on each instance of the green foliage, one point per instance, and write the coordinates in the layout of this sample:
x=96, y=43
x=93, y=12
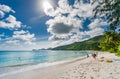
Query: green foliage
x=119, y=48
x=110, y=11
x=118, y=52
x=112, y=50
x=91, y=44
x=110, y=41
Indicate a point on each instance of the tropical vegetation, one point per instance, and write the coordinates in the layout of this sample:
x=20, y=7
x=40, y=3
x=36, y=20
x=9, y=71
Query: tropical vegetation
x=109, y=11
x=90, y=44
x=110, y=41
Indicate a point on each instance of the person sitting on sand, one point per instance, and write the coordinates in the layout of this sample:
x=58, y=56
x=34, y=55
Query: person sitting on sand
x=94, y=55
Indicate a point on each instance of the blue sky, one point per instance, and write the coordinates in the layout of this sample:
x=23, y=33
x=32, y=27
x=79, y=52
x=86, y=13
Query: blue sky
x=25, y=25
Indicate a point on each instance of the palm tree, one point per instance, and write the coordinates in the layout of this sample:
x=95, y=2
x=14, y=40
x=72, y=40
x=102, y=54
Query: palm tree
x=110, y=11
x=110, y=40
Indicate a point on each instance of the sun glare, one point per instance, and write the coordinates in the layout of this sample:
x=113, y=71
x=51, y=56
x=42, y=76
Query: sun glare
x=46, y=5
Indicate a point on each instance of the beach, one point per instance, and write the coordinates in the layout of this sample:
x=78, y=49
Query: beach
x=79, y=68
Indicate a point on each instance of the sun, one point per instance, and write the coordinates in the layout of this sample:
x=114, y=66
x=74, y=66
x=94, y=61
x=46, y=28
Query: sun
x=47, y=6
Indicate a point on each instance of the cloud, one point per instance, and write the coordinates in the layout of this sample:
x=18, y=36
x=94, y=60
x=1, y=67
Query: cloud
x=21, y=38
x=49, y=11
x=10, y=22
x=64, y=7
x=60, y=28
x=97, y=23
x=95, y=32
x=84, y=10
x=81, y=36
x=13, y=42
x=14, y=45
x=23, y=35
x=1, y=14
x=6, y=8
x=67, y=20
x=79, y=8
x=55, y=38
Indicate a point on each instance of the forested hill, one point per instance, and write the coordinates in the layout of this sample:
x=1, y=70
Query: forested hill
x=90, y=44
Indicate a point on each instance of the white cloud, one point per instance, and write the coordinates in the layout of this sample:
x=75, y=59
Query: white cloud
x=13, y=42
x=49, y=11
x=84, y=10
x=62, y=27
x=21, y=38
x=79, y=8
x=81, y=36
x=19, y=32
x=6, y=8
x=95, y=32
x=1, y=14
x=23, y=35
x=97, y=23
x=20, y=46
x=67, y=21
x=10, y=22
x=64, y=7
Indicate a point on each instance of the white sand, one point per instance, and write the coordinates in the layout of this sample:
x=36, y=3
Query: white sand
x=88, y=68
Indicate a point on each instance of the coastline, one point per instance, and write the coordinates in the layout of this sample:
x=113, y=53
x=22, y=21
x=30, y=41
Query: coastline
x=40, y=67
x=73, y=69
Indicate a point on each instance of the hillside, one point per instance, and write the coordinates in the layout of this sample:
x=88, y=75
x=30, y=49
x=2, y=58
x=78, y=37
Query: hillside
x=91, y=44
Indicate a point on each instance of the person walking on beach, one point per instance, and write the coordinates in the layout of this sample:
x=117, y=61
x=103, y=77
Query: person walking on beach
x=87, y=55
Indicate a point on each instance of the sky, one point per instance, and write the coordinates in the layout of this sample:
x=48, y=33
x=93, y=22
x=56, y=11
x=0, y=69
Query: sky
x=36, y=24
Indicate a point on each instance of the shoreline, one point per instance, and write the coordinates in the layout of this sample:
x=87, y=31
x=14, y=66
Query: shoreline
x=69, y=69
x=40, y=66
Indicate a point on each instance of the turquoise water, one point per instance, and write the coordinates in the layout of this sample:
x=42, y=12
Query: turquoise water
x=16, y=60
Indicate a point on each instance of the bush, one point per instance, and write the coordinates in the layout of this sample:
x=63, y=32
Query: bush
x=119, y=48
x=118, y=51
x=111, y=50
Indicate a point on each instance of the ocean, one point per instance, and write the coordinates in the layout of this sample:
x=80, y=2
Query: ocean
x=12, y=62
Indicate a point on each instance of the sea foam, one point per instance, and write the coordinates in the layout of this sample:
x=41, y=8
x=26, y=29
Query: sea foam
x=32, y=67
